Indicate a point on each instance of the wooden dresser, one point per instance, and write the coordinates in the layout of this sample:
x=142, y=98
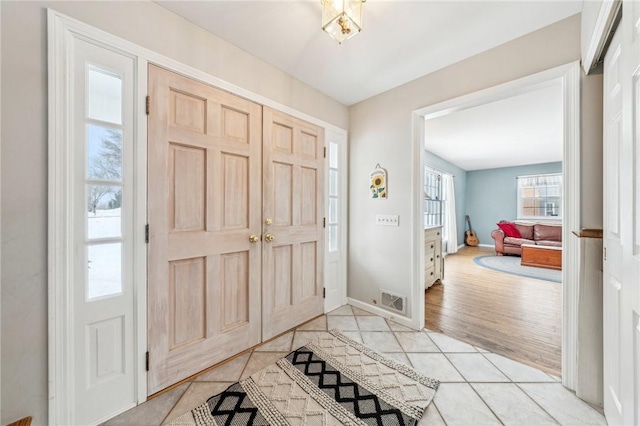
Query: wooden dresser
x=433, y=260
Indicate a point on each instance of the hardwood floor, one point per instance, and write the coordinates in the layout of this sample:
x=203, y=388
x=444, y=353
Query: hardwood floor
x=517, y=317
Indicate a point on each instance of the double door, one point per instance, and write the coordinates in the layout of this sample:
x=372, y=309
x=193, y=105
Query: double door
x=235, y=201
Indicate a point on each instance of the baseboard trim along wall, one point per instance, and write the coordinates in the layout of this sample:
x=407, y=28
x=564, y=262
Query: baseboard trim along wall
x=407, y=322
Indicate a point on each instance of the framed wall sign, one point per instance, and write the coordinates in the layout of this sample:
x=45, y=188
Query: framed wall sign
x=378, y=182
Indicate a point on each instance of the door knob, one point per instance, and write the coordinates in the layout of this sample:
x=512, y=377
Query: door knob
x=254, y=239
x=268, y=221
x=269, y=237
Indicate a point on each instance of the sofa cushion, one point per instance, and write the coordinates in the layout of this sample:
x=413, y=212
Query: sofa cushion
x=509, y=229
x=526, y=231
x=549, y=243
x=547, y=232
x=517, y=241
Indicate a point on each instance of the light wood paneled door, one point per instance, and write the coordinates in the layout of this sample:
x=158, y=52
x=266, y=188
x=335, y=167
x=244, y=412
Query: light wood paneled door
x=293, y=205
x=204, y=203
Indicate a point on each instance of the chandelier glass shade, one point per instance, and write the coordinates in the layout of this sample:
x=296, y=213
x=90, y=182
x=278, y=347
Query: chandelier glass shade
x=342, y=19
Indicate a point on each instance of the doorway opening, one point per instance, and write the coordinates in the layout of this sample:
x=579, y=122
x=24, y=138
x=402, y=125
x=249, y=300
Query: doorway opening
x=541, y=192
x=498, y=165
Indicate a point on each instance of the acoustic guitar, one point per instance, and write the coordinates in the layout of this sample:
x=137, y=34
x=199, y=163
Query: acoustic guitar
x=470, y=237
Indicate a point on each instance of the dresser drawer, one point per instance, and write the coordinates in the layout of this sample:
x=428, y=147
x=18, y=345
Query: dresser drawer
x=429, y=259
x=429, y=245
x=429, y=275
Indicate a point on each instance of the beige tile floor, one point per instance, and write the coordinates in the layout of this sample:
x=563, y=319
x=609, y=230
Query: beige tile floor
x=477, y=387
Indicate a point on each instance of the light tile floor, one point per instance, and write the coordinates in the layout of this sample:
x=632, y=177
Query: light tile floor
x=477, y=387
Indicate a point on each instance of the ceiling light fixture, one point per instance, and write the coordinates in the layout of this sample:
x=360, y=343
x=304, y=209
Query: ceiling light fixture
x=342, y=19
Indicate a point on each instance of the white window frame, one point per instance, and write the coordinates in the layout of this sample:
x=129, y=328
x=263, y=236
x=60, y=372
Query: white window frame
x=60, y=247
x=520, y=197
x=438, y=176
x=447, y=201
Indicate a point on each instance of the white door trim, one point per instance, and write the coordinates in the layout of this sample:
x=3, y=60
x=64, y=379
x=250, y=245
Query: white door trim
x=60, y=29
x=340, y=138
x=601, y=28
x=569, y=76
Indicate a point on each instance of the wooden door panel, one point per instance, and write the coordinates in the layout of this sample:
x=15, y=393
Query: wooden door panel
x=204, y=202
x=188, y=112
x=309, y=145
x=234, y=301
x=235, y=190
x=309, y=272
x=281, y=138
x=293, y=199
x=308, y=198
x=236, y=125
x=282, y=262
x=282, y=194
x=187, y=188
x=187, y=294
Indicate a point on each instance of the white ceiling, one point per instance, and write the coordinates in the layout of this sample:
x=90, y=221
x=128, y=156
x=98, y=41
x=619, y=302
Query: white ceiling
x=519, y=130
x=401, y=40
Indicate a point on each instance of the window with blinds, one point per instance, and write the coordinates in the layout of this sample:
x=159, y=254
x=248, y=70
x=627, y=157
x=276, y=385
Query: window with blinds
x=540, y=196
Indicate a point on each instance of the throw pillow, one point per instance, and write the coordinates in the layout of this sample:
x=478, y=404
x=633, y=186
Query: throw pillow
x=509, y=229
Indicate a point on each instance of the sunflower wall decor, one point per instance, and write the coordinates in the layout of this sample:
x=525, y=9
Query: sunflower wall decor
x=378, y=182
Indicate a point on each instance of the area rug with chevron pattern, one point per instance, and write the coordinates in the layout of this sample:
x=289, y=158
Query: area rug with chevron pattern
x=333, y=380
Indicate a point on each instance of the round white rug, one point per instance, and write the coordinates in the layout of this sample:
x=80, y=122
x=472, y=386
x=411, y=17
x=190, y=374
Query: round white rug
x=511, y=265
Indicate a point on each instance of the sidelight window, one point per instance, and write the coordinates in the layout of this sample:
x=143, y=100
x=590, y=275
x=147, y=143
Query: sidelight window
x=334, y=203
x=103, y=183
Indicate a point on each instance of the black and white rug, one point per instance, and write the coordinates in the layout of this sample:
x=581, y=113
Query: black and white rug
x=333, y=380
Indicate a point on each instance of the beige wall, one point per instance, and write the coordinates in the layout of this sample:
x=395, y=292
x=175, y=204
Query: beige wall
x=591, y=154
x=24, y=158
x=380, y=132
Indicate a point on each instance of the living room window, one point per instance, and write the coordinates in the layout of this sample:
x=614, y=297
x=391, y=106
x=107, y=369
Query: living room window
x=540, y=196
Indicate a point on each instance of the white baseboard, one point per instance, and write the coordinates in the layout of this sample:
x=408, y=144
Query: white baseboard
x=479, y=245
x=407, y=322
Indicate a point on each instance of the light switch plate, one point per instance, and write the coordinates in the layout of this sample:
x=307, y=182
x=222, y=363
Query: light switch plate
x=388, y=219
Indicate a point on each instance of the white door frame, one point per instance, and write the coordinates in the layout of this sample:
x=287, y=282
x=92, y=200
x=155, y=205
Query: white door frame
x=569, y=75
x=340, y=138
x=61, y=31
x=60, y=249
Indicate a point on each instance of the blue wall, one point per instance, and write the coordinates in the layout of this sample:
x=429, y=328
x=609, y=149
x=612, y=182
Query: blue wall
x=491, y=195
x=460, y=186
